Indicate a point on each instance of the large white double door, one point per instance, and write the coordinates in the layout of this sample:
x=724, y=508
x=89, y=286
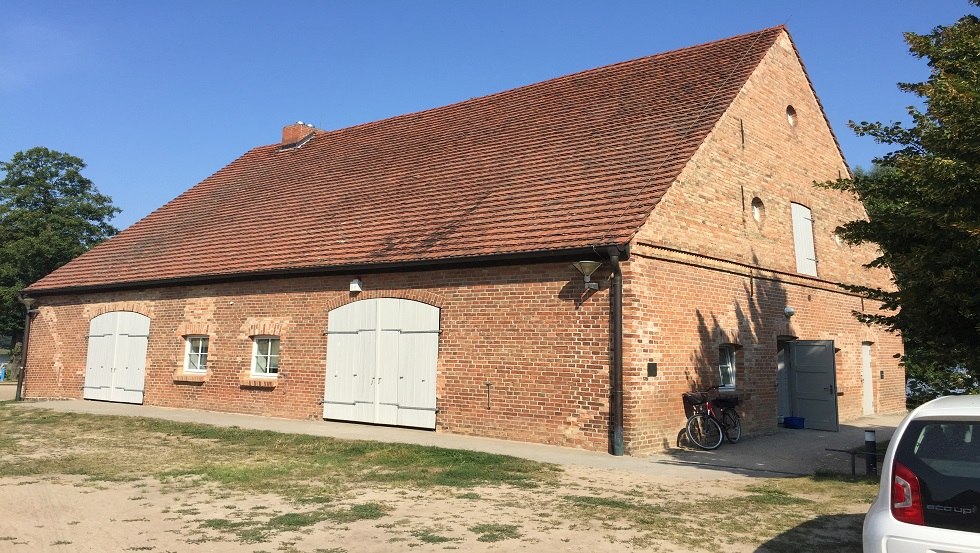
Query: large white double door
x=115, y=367
x=381, y=362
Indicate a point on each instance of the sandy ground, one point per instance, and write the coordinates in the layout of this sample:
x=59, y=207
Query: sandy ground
x=68, y=514
x=7, y=390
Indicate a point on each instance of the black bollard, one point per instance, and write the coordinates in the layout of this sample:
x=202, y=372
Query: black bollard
x=870, y=453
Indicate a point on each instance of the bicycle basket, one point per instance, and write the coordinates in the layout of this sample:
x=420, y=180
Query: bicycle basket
x=725, y=402
x=695, y=398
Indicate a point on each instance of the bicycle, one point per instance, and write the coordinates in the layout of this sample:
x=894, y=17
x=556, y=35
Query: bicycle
x=704, y=428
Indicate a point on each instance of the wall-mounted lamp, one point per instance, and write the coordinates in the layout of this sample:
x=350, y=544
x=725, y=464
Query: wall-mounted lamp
x=356, y=286
x=789, y=312
x=587, y=268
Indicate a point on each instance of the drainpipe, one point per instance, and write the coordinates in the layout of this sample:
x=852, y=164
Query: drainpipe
x=28, y=302
x=616, y=378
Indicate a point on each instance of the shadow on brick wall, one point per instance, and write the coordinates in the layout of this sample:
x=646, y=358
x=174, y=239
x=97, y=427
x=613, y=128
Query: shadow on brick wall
x=749, y=320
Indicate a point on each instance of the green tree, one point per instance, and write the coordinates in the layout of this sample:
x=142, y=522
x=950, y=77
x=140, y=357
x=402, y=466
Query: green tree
x=923, y=203
x=49, y=214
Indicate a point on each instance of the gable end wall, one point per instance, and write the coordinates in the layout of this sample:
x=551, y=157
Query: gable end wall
x=705, y=273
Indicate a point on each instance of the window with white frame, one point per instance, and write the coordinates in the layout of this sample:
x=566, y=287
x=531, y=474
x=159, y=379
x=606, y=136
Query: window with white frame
x=726, y=366
x=806, y=256
x=265, y=355
x=196, y=354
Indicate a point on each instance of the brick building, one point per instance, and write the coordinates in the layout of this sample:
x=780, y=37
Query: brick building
x=417, y=271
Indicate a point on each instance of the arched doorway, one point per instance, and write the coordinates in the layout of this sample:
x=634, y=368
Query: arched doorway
x=381, y=362
x=115, y=367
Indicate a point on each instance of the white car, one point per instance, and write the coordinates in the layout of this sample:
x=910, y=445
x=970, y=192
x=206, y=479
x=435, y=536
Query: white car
x=929, y=500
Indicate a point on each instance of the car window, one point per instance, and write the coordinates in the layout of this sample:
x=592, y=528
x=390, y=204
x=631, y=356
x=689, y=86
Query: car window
x=945, y=457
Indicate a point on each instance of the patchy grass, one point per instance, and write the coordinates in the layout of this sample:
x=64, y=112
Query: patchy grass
x=328, y=483
x=318, y=475
x=253, y=528
x=496, y=532
x=299, y=467
x=428, y=535
x=784, y=513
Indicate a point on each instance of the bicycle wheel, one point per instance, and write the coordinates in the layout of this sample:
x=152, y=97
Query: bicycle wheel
x=704, y=431
x=732, y=425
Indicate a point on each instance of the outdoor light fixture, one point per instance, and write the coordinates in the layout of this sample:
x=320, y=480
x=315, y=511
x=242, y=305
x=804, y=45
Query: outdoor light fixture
x=587, y=268
x=356, y=286
x=789, y=312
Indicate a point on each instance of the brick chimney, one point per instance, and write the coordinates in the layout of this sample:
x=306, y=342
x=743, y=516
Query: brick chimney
x=292, y=134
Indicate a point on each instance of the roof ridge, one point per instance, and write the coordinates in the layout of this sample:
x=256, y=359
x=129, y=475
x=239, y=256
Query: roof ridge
x=566, y=77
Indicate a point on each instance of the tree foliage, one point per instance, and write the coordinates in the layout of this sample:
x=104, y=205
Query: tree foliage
x=923, y=203
x=49, y=214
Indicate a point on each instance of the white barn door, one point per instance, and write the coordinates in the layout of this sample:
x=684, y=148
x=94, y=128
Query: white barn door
x=115, y=368
x=381, y=363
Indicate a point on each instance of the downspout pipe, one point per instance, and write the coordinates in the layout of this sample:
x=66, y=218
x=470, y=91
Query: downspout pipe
x=28, y=302
x=616, y=446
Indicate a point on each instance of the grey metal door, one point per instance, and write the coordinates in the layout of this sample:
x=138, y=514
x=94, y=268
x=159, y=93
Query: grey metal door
x=813, y=382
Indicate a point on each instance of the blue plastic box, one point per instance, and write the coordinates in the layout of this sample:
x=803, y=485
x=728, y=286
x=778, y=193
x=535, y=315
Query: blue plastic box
x=793, y=422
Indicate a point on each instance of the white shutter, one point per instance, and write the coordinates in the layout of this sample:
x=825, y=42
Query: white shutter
x=98, y=363
x=418, y=353
x=351, y=357
x=387, y=359
x=806, y=257
x=133, y=330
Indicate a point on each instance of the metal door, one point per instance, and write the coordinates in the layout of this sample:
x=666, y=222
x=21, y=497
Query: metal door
x=813, y=383
x=381, y=362
x=115, y=367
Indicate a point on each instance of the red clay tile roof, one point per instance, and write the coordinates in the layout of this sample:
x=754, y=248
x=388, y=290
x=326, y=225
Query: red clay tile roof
x=569, y=163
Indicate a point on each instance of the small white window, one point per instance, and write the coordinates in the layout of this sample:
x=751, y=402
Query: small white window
x=758, y=210
x=806, y=256
x=265, y=356
x=726, y=366
x=196, y=354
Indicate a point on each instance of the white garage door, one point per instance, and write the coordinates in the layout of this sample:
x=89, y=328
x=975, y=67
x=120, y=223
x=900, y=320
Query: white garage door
x=116, y=364
x=381, y=362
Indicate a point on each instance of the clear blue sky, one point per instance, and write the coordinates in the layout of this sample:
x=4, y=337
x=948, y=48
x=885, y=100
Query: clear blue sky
x=155, y=96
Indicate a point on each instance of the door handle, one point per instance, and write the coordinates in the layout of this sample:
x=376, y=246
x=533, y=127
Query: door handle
x=830, y=388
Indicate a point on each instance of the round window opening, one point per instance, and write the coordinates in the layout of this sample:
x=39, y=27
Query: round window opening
x=758, y=210
x=791, y=115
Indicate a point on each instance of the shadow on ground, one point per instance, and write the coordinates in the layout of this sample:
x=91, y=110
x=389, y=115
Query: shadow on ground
x=839, y=533
x=787, y=451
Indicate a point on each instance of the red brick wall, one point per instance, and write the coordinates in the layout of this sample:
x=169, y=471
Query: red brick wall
x=703, y=273
x=708, y=210
x=525, y=329
x=706, y=273
x=679, y=310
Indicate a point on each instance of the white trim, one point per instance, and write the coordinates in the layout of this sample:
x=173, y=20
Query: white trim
x=803, y=245
x=187, y=353
x=269, y=357
x=727, y=350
